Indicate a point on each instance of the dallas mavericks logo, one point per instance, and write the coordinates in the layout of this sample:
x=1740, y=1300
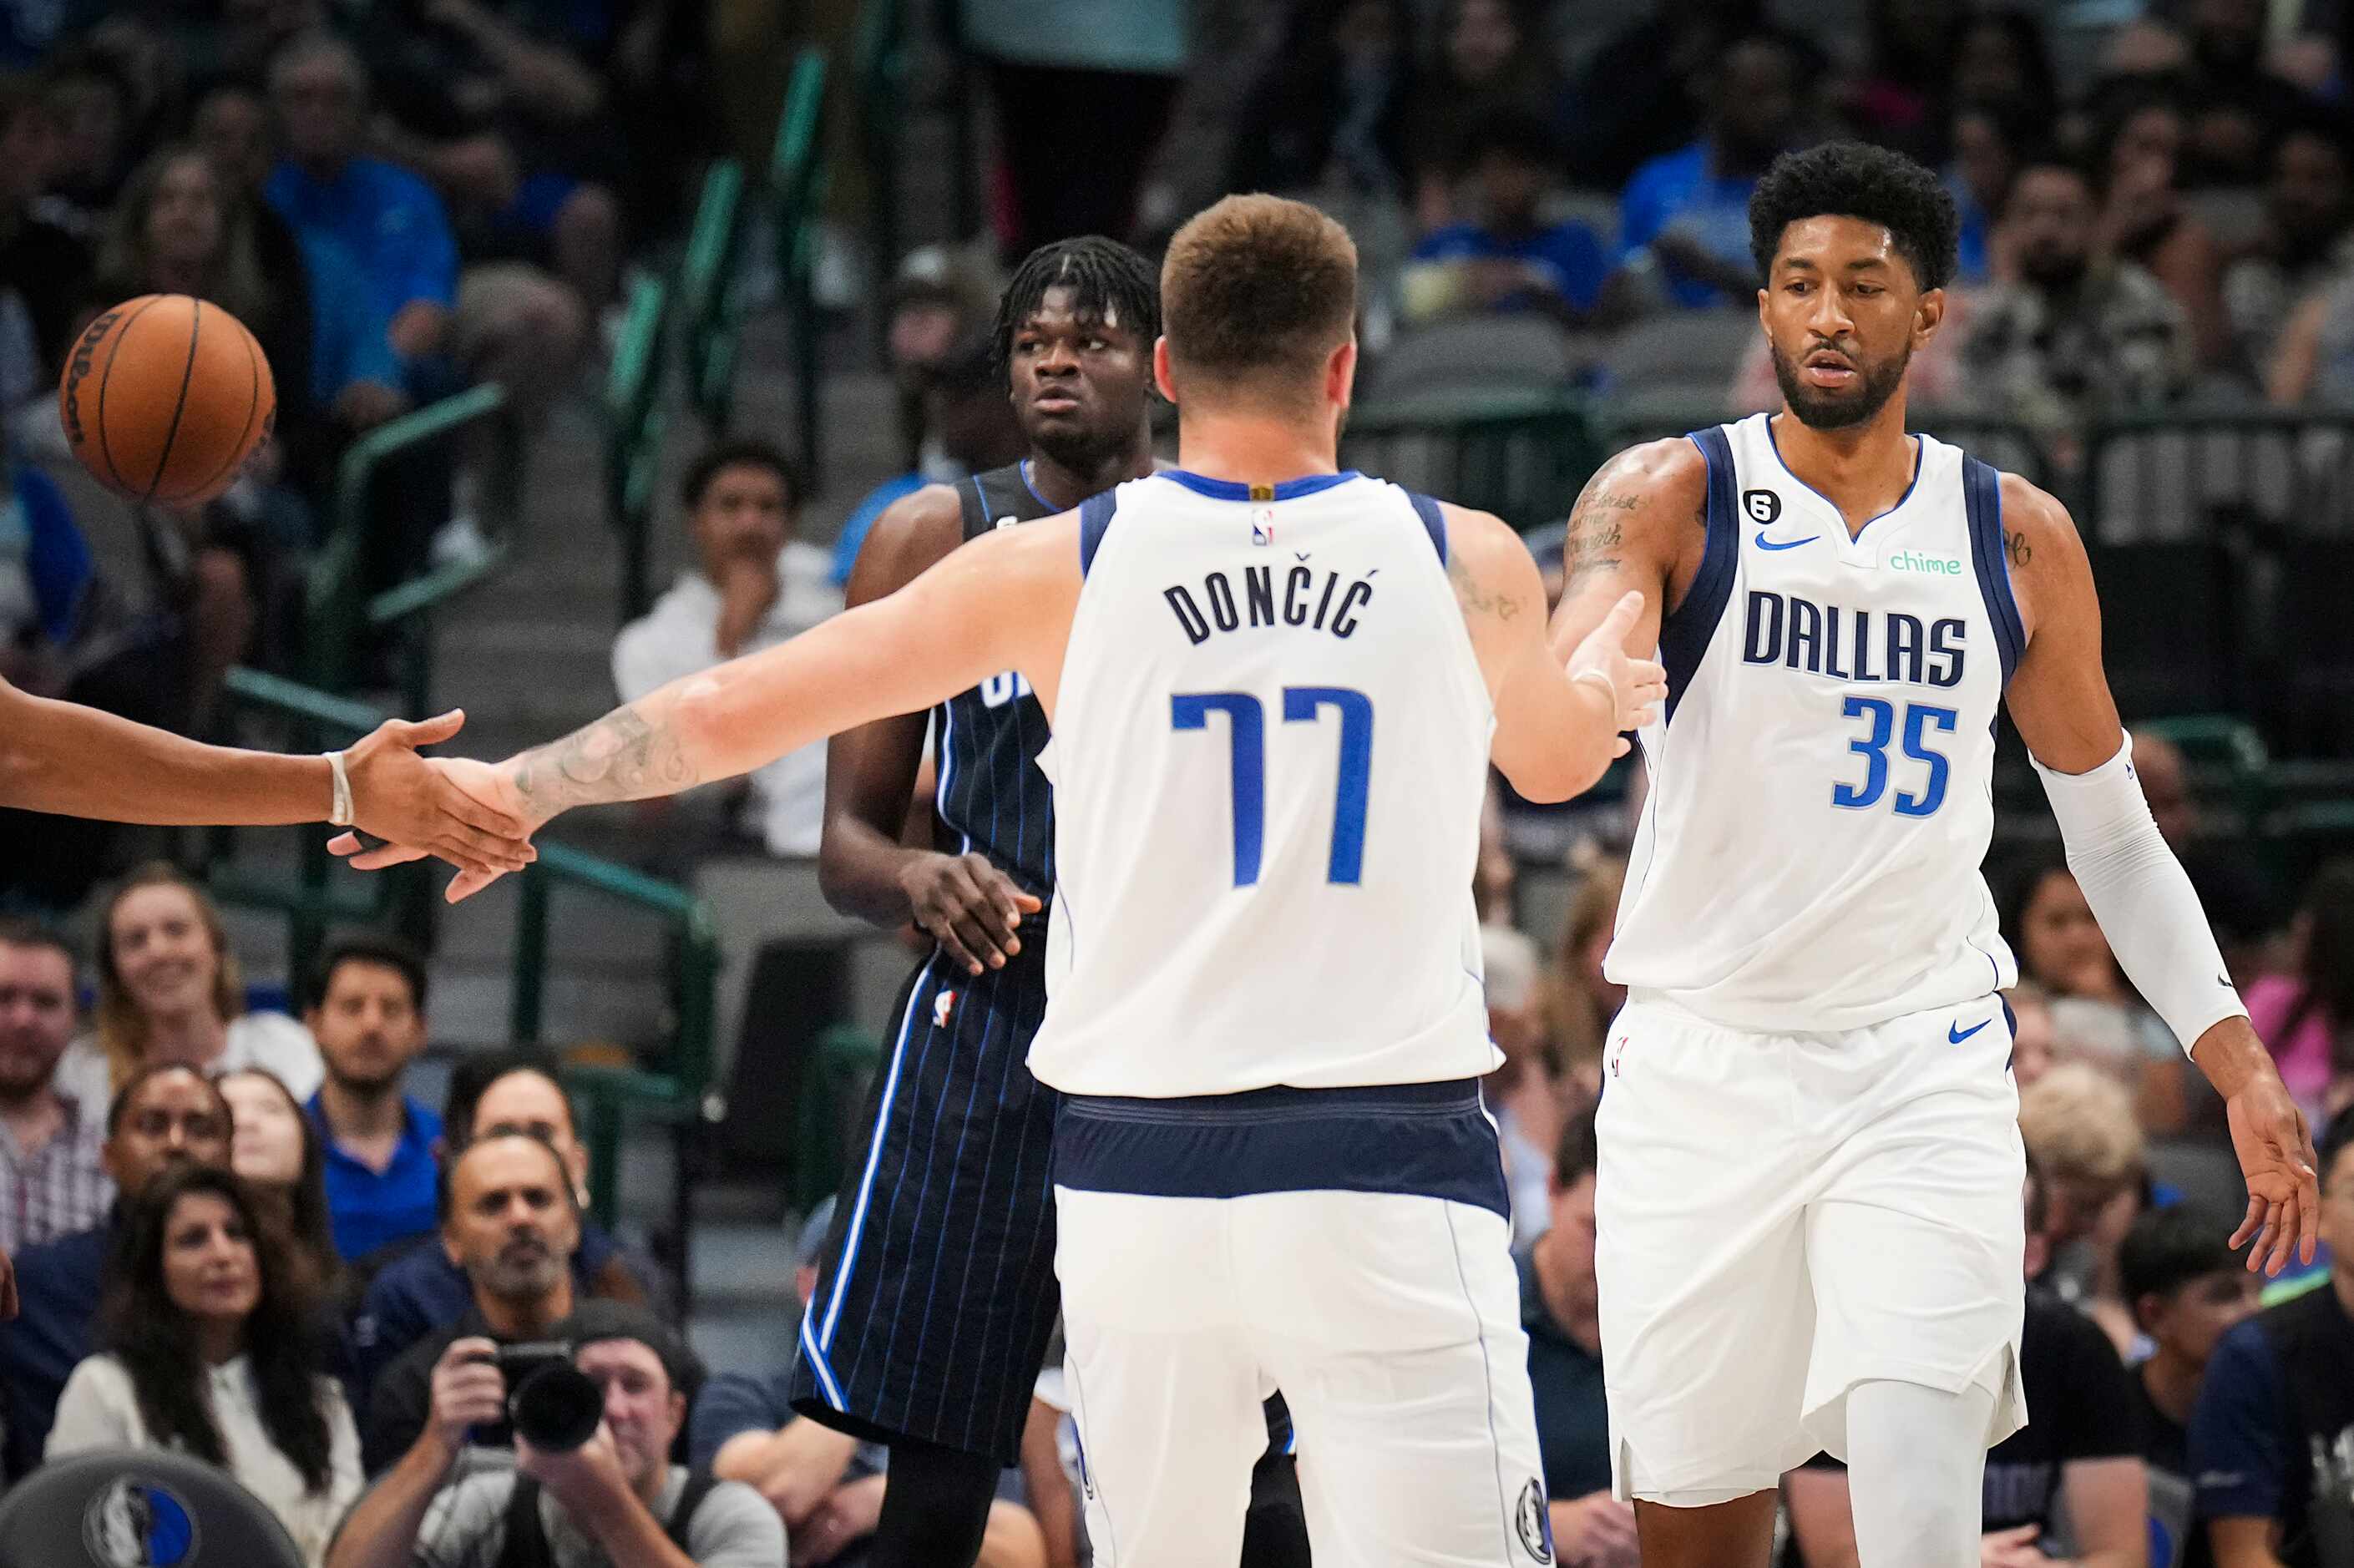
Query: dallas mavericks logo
x=1763, y=506
x=135, y=1524
x=1533, y=1521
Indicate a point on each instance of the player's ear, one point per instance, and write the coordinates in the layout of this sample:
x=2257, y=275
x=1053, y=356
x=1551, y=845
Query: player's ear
x=1341, y=373
x=1162, y=379
x=1928, y=316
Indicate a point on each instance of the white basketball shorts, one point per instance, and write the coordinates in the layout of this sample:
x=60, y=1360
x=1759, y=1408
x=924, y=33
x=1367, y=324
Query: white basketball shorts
x=1782, y=1217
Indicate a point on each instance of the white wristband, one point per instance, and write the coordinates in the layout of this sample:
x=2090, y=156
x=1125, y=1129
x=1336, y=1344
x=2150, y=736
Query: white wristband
x=339, y=813
x=1609, y=690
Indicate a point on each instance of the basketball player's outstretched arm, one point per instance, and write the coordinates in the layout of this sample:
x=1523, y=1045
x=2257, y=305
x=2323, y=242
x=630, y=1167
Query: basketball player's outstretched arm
x=962, y=901
x=2058, y=697
x=1002, y=602
x=1559, y=718
x=1639, y=526
x=75, y=761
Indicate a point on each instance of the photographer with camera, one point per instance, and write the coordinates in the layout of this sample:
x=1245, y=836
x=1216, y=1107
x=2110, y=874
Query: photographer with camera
x=596, y=1413
x=510, y=1222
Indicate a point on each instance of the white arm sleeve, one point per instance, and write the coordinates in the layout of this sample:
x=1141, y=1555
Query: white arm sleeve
x=2142, y=896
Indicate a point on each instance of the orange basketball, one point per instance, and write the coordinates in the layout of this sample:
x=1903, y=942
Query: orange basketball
x=164, y=397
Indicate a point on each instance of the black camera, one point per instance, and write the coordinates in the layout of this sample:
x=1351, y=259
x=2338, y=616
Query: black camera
x=549, y=1401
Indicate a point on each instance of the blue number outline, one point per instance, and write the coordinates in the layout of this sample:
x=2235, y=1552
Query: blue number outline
x=1246, y=727
x=1916, y=747
x=1874, y=752
x=1346, y=862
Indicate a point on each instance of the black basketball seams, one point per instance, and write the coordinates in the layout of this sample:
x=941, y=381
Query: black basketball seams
x=187, y=373
x=104, y=447
x=252, y=407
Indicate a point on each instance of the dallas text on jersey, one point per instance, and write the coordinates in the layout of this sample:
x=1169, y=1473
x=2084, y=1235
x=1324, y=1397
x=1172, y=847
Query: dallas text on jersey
x=1787, y=630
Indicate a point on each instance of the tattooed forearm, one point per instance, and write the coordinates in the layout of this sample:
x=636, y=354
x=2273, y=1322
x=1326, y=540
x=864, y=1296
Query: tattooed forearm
x=1477, y=600
x=1597, y=533
x=2015, y=545
x=631, y=753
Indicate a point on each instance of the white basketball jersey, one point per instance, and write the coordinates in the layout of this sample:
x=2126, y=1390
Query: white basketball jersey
x=1821, y=779
x=1270, y=751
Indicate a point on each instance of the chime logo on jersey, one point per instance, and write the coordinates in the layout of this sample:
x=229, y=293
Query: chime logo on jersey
x=942, y=1005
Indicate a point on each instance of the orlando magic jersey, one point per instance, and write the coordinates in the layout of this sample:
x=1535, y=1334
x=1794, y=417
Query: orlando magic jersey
x=1270, y=752
x=1821, y=777
x=985, y=741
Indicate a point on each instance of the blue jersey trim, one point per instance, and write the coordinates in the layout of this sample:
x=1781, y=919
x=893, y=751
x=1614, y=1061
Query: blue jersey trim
x=858, y=1210
x=1982, y=501
x=1430, y=1140
x=1234, y=490
x=1433, y=522
x=1919, y=455
x=1685, y=632
x=1095, y=516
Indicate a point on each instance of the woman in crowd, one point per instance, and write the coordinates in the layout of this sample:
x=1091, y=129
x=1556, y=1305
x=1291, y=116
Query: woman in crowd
x=2308, y=1016
x=1578, y=1002
x=208, y=1351
x=168, y=990
x=278, y=1153
x=2096, y=1017
x=2078, y=1126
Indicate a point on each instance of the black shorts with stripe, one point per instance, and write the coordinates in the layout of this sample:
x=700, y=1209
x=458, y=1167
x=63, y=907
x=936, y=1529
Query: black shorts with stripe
x=936, y=1294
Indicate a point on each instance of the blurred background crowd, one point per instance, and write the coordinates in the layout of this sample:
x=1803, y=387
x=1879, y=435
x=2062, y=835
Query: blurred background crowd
x=603, y=329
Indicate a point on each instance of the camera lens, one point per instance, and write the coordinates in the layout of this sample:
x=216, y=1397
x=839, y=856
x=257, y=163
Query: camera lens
x=557, y=1408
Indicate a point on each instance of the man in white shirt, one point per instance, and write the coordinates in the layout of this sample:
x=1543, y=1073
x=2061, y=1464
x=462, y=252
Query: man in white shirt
x=754, y=584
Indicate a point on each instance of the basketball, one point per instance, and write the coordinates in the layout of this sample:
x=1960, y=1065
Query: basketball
x=164, y=397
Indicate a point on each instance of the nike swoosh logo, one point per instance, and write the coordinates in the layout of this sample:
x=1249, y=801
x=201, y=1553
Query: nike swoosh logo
x=1765, y=544
x=1957, y=1034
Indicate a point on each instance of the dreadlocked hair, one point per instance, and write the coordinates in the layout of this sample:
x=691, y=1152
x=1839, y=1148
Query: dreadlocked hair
x=1108, y=280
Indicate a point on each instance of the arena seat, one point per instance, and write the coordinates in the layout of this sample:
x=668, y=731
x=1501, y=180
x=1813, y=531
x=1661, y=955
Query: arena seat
x=139, y=1507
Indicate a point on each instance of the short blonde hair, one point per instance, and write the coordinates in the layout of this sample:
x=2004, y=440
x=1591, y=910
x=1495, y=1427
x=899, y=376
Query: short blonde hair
x=1255, y=291
x=2078, y=1125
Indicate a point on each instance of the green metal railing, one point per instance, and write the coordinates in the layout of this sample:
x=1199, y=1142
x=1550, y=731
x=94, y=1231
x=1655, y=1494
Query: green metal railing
x=880, y=62
x=341, y=619
x=797, y=185
x=677, y=1090
x=1522, y=456
x=709, y=286
x=634, y=424
x=317, y=898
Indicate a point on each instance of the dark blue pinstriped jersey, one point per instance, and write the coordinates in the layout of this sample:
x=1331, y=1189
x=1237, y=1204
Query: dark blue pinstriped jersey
x=985, y=742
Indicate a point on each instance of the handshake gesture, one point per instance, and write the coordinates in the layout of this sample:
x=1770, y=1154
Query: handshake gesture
x=490, y=788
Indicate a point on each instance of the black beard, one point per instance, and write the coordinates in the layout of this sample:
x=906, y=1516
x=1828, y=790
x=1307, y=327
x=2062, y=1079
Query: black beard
x=1081, y=452
x=1819, y=412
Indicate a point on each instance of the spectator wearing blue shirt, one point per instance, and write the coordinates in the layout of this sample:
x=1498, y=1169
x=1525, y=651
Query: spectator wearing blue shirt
x=382, y=1145
x=168, y=1113
x=2272, y=1438
x=1509, y=259
x=1687, y=213
x=385, y=217
x=969, y=414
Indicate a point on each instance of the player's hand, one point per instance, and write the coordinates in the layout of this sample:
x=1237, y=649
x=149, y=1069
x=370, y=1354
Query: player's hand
x=850, y=1513
x=2275, y=1150
x=968, y=906
x=1596, y=1530
x=468, y=1391
x=1637, y=683
x=405, y=800
x=493, y=785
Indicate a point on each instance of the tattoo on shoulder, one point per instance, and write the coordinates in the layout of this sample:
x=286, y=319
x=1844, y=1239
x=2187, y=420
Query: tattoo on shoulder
x=2015, y=545
x=1475, y=597
x=624, y=755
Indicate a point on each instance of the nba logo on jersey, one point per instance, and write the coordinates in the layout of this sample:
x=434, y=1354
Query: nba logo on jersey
x=1008, y=521
x=942, y=1004
x=1263, y=525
